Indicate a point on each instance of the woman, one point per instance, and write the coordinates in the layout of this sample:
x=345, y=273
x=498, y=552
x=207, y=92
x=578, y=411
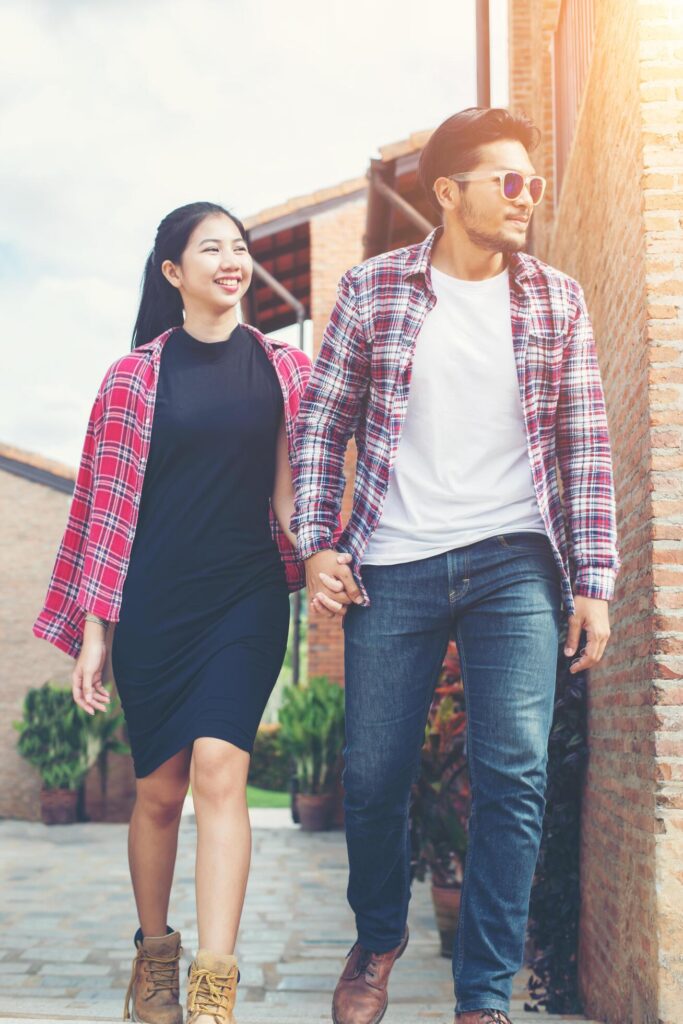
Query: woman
x=179, y=533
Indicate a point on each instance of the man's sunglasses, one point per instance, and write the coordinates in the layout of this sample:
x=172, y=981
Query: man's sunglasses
x=512, y=183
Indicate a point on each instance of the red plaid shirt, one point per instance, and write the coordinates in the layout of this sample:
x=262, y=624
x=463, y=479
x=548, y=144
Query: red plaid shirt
x=360, y=382
x=93, y=557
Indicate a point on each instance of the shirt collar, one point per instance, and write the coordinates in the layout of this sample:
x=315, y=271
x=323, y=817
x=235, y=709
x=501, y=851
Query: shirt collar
x=418, y=263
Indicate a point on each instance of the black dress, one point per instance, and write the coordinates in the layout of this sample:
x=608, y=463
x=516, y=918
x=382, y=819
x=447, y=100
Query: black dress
x=205, y=607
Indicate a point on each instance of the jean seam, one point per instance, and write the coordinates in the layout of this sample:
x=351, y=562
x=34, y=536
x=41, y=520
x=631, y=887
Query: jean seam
x=460, y=937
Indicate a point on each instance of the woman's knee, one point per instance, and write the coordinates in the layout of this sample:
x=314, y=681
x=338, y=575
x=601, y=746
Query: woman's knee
x=219, y=771
x=161, y=801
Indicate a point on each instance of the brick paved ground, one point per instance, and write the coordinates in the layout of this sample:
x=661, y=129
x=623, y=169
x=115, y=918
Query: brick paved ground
x=67, y=918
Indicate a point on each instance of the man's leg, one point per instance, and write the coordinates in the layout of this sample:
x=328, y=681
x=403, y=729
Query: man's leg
x=507, y=634
x=393, y=654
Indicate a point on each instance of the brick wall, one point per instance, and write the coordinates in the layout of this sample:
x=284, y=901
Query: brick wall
x=336, y=245
x=32, y=520
x=661, y=107
x=616, y=228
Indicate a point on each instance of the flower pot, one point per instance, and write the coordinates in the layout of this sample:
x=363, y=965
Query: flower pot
x=315, y=810
x=446, y=902
x=58, y=806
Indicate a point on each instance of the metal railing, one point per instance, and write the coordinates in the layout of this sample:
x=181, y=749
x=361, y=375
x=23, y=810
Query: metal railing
x=572, y=52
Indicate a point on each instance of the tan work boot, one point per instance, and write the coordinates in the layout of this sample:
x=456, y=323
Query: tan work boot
x=154, y=985
x=212, y=988
x=361, y=993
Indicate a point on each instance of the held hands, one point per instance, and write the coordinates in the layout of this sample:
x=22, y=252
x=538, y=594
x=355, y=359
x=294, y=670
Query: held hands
x=331, y=585
x=87, y=687
x=592, y=615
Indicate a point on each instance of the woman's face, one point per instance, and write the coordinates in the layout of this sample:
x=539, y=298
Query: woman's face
x=215, y=269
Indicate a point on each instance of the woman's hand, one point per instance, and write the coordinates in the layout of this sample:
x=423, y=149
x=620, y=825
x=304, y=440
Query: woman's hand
x=87, y=687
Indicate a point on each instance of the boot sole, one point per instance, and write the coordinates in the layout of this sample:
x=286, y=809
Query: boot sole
x=377, y=1019
x=137, y=1020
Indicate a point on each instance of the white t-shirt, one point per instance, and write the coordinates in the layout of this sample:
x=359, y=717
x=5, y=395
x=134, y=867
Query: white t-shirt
x=462, y=470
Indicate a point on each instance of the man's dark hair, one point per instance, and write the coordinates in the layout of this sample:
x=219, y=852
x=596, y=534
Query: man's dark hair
x=454, y=146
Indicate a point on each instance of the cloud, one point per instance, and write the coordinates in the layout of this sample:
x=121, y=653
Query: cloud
x=115, y=113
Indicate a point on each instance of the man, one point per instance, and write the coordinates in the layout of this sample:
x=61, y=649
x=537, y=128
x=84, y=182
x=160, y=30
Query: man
x=466, y=370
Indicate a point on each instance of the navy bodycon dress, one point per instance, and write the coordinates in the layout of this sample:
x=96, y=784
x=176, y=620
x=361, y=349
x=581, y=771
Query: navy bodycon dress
x=205, y=607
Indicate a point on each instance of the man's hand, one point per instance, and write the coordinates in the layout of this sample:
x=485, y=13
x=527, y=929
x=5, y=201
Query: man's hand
x=330, y=582
x=592, y=615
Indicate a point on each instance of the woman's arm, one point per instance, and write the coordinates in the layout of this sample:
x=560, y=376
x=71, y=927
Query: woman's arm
x=283, y=488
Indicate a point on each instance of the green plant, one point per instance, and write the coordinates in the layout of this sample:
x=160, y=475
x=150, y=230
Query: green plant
x=269, y=767
x=441, y=796
x=312, y=732
x=555, y=894
x=53, y=737
x=102, y=738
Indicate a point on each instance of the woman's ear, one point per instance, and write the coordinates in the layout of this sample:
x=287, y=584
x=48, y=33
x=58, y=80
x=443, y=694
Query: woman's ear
x=170, y=272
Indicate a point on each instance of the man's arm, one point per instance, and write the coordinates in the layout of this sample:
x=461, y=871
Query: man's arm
x=328, y=416
x=585, y=462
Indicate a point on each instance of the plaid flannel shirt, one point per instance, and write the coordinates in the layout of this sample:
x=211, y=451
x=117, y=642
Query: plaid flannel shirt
x=93, y=557
x=360, y=383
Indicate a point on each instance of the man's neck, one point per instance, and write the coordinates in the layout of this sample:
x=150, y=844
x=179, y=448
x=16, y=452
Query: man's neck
x=455, y=254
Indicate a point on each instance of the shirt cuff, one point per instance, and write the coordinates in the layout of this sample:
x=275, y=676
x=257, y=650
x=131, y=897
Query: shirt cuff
x=595, y=581
x=311, y=538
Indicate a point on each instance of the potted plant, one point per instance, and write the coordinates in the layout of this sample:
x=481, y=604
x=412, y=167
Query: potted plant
x=103, y=732
x=441, y=801
x=53, y=738
x=312, y=734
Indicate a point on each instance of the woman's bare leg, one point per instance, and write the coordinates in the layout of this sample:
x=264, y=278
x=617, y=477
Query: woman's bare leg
x=219, y=788
x=153, y=839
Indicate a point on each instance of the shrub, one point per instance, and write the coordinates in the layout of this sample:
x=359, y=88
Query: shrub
x=555, y=896
x=53, y=737
x=270, y=766
x=312, y=732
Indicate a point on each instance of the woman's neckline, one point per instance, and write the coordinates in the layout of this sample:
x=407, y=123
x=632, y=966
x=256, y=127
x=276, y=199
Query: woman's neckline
x=207, y=344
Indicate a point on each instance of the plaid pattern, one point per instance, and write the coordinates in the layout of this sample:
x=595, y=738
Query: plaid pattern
x=360, y=382
x=93, y=557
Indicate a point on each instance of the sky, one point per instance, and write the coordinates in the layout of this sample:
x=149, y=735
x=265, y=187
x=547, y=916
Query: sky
x=114, y=112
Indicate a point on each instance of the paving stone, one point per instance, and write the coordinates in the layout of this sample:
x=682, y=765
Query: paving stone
x=296, y=929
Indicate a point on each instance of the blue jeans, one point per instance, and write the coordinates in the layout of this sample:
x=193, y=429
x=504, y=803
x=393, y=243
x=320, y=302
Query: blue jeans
x=501, y=600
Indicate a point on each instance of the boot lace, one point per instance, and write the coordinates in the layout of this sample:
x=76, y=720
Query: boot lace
x=210, y=992
x=494, y=1017
x=162, y=974
x=366, y=963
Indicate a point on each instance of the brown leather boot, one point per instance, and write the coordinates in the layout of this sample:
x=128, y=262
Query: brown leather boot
x=482, y=1017
x=212, y=988
x=361, y=993
x=154, y=988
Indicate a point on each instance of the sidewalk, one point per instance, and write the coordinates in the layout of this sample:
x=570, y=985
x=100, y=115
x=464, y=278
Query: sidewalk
x=68, y=917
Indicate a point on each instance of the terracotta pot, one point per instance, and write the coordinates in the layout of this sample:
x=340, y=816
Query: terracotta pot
x=447, y=910
x=315, y=810
x=58, y=806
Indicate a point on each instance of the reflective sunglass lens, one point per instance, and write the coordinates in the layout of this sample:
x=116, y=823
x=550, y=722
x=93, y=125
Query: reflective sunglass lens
x=513, y=184
x=536, y=187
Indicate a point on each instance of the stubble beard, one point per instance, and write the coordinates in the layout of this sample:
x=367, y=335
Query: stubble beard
x=490, y=241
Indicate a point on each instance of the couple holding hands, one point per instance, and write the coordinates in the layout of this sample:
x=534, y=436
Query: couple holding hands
x=210, y=487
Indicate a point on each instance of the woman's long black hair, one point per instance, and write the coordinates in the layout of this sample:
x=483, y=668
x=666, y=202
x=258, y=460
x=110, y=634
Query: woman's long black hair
x=161, y=306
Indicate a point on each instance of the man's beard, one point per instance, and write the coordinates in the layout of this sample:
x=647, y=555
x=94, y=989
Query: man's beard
x=487, y=240
x=493, y=242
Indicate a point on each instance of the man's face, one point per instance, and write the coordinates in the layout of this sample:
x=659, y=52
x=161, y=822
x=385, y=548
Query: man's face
x=491, y=221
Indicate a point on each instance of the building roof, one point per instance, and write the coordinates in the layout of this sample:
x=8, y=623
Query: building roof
x=280, y=237
x=37, y=468
x=306, y=206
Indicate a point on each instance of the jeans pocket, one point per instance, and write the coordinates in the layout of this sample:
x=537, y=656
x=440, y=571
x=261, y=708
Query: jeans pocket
x=523, y=540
